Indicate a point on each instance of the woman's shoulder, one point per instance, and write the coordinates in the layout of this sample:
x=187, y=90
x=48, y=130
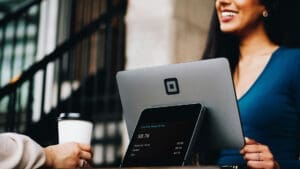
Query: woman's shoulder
x=289, y=52
x=287, y=57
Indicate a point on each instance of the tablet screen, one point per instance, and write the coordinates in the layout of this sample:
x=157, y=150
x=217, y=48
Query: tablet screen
x=163, y=136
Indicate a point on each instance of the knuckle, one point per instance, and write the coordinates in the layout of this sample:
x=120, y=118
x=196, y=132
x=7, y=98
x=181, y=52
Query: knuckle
x=76, y=152
x=270, y=164
x=271, y=156
x=264, y=147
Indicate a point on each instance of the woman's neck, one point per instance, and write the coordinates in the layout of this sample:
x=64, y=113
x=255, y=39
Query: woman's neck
x=256, y=44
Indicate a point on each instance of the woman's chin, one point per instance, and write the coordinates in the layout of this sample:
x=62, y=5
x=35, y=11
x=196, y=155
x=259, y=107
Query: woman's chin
x=228, y=29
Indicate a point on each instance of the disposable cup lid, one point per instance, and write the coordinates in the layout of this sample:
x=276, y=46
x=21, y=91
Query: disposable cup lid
x=73, y=116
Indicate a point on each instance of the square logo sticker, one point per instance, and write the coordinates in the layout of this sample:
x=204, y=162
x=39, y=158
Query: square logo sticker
x=171, y=86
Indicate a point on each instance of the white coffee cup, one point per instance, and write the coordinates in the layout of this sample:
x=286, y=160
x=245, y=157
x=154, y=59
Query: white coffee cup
x=73, y=127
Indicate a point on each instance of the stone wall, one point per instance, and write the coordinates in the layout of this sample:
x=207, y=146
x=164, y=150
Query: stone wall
x=191, y=19
x=166, y=31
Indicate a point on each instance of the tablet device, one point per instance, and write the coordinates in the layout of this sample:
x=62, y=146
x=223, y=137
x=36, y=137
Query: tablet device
x=208, y=82
x=165, y=136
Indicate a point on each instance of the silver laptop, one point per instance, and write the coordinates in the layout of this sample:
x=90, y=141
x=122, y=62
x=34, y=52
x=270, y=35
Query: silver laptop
x=207, y=82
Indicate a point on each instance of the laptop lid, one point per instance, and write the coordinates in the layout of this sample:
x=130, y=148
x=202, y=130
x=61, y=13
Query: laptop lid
x=208, y=82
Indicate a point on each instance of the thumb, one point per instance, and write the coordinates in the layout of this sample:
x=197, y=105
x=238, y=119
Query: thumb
x=250, y=141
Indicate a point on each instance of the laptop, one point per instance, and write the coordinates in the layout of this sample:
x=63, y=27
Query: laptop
x=207, y=82
x=165, y=136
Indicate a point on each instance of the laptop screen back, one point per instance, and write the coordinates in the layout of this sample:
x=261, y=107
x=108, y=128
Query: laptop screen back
x=207, y=82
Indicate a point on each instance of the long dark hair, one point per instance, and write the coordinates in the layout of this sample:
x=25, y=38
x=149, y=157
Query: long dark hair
x=227, y=45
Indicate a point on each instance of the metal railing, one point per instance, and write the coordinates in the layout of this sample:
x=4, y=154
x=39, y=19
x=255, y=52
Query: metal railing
x=18, y=40
x=83, y=70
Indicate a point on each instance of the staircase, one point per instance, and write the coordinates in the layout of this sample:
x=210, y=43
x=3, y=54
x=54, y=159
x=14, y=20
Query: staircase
x=79, y=73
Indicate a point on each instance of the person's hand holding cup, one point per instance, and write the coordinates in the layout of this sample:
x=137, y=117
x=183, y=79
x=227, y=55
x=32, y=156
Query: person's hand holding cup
x=77, y=128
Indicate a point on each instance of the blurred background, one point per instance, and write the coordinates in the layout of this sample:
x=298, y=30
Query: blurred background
x=62, y=56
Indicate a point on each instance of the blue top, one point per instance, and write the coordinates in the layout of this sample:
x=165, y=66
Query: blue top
x=270, y=110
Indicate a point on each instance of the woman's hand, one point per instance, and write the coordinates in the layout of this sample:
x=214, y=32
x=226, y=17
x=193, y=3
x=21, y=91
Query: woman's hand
x=258, y=155
x=68, y=155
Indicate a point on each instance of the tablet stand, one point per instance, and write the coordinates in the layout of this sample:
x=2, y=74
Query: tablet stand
x=165, y=136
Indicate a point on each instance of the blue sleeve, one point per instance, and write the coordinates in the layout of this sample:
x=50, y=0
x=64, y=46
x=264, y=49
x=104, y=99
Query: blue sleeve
x=298, y=101
x=289, y=164
x=295, y=164
x=297, y=88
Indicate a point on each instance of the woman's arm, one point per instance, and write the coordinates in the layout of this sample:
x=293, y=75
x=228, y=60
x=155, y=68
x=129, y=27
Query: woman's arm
x=19, y=151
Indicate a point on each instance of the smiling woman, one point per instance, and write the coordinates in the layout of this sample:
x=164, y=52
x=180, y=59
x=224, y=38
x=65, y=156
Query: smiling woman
x=240, y=16
x=266, y=77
